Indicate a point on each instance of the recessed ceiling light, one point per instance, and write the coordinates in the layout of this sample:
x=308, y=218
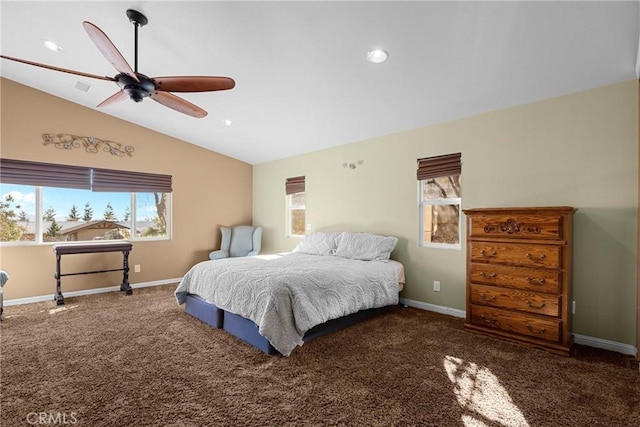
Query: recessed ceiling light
x=51, y=45
x=377, y=56
x=227, y=122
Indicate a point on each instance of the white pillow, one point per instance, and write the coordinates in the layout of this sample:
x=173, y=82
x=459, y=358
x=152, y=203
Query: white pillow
x=365, y=246
x=318, y=243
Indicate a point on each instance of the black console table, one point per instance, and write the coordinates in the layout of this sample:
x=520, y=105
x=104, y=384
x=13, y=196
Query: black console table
x=92, y=248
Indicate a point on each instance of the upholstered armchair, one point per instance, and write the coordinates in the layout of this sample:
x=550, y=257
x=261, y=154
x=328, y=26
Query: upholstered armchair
x=238, y=241
x=3, y=279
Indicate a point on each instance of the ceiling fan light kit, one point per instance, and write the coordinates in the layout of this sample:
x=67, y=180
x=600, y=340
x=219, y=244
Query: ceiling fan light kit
x=137, y=90
x=137, y=86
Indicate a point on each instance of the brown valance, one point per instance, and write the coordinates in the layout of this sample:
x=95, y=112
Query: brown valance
x=130, y=182
x=438, y=166
x=294, y=185
x=44, y=174
x=24, y=172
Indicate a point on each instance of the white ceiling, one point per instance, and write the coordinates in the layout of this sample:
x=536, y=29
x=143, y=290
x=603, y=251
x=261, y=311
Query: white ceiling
x=302, y=81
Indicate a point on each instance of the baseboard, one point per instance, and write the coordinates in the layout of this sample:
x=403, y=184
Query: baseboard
x=578, y=339
x=605, y=344
x=432, y=307
x=41, y=298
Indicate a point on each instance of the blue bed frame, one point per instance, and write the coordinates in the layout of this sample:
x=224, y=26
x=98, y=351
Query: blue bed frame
x=247, y=331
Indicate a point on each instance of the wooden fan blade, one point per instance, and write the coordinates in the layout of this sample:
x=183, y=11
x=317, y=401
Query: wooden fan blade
x=175, y=102
x=108, y=50
x=116, y=97
x=63, y=70
x=193, y=83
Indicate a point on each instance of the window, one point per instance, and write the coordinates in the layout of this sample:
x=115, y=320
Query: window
x=440, y=201
x=18, y=213
x=295, y=191
x=50, y=203
x=151, y=215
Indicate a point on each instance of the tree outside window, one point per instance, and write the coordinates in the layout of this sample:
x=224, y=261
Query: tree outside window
x=297, y=210
x=152, y=208
x=74, y=215
x=10, y=227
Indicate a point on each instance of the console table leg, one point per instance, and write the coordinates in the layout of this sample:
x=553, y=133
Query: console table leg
x=125, y=273
x=58, y=297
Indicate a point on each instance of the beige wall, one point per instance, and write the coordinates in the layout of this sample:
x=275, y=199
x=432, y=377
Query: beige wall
x=579, y=150
x=209, y=190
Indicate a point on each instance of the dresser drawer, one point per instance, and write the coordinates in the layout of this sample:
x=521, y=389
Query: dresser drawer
x=531, y=302
x=520, y=323
x=530, y=279
x=511, y=253
x=522, y=226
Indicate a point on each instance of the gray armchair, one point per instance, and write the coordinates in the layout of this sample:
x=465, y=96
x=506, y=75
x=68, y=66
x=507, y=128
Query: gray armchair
x=3, y=279
x=238, y=241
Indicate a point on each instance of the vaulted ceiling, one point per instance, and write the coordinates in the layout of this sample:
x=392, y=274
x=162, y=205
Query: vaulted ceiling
x=302, y=80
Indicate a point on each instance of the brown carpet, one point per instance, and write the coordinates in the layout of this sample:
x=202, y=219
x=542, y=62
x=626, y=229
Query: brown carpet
x=115, y=360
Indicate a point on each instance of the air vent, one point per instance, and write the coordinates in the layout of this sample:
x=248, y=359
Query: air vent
x=82, y=86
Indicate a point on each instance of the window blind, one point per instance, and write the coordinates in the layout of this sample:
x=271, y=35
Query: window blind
x=294, y=185
x=65, y=176
x=107, y=180
x=44, y=174
x=438, y=166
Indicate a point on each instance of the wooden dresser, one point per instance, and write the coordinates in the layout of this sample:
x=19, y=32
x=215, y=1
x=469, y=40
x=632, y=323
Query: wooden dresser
x=519, y=275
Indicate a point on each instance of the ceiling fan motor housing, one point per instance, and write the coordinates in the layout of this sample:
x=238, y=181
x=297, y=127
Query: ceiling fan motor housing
x=137, y=91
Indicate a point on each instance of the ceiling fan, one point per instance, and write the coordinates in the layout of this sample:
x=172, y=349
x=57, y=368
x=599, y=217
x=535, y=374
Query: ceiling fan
x=137, y=86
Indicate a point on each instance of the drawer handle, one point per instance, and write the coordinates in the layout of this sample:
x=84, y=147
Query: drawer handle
x=528, y=255
x=492, y=275
x=535, y=282
x=530, y=304
x=484, y=253
x=484, y=297
x=539, y=331
x=487, y=321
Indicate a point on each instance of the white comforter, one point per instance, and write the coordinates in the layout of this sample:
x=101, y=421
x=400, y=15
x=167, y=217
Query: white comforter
x=286, y=295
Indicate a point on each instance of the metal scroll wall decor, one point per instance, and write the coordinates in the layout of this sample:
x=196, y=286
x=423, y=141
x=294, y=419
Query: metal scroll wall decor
x=66, y=141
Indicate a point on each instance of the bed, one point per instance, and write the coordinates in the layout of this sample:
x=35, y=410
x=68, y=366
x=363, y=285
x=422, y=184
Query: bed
x=278, y=302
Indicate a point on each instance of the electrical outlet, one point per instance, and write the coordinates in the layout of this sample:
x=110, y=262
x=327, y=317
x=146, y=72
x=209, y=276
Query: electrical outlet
x=573, y=307
x=436, y=285
x=136, y=268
